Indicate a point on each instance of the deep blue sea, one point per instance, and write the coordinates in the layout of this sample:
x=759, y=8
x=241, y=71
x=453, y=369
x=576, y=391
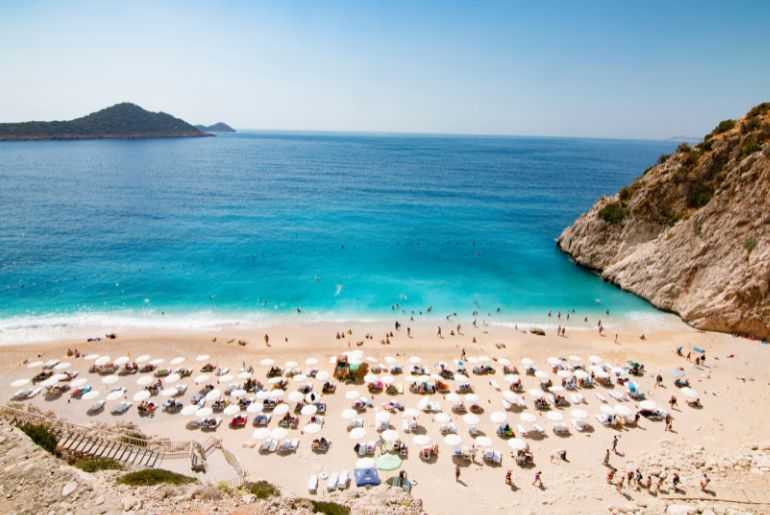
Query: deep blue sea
x=243, y=226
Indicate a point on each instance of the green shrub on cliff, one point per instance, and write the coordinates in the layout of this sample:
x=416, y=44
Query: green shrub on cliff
x=613, y=213
x=41, y=435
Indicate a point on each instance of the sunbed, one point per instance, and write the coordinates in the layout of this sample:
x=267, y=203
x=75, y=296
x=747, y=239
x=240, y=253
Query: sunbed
x=331, y=483
x=312, y=484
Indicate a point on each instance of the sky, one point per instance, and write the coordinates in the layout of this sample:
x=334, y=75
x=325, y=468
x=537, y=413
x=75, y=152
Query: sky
x=616, y=69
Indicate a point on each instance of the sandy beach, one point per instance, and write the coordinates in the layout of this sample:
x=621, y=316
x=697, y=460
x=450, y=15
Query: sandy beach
x=730, y=425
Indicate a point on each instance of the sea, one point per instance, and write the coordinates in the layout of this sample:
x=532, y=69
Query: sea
x=255, y=227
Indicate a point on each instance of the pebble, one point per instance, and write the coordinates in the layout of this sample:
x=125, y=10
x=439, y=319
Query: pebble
x=68, y=488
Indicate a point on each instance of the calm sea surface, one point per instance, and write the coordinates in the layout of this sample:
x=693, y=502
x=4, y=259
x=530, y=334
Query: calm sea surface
x=240, y=226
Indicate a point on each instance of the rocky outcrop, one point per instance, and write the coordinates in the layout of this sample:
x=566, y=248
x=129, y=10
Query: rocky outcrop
x=692, y=234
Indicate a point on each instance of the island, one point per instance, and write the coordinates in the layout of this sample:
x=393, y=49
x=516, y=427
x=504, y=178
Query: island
x=692, y=234
x=121, y=121
x=217, y=127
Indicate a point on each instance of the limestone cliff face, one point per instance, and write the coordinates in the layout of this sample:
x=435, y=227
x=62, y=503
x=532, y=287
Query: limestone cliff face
x=692, y=234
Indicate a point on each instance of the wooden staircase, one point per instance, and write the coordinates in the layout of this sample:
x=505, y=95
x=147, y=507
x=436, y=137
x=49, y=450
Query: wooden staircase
x=93, y=446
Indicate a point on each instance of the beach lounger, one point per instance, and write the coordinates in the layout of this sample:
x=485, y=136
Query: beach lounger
x=520, y=430
x=342, y=481
x=604, y=419
x=620, y=397
x=381, y=426
x=601, y=397
x=495, y=385
x=312, y=484
x=506, y=405
x=577, y=398
x=560, y=429
x=331, y=483
x=405, y=426
x=579, y=425
x=538, y=429
x=355, y=423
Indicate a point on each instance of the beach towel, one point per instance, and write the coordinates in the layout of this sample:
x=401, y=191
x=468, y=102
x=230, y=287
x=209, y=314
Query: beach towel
x=366, y=477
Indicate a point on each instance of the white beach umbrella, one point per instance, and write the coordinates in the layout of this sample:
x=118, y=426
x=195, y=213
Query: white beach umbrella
x=453, y=397
x=276, y=394
x=20, y=382
x=595, y=359
x=115, y=395
x=424, y=404
x=352, y=395
x=421, y=440
x=121, y=360
x=169, y=392
x=382, y=417
x=510, y=396
x=278, y=433
x=110, y=379
x=357, y=433
x=415, y=360
x=554, y=416
x=581, y=374
x=513, y=378
x=142, y=395
x=227, y=378
x=35, y=364
x=255, y=407
x=541, y=375
x=517, y=444
x=144, y=380
x=411, y=413
x=390, y=360
x=78, y=382
x=157, y=361
x=244, y=375
x=452, y=440
x=471, y=419
x=483, y=441
x=214, y=394
x=460, y=378
x=93, y=394
x=504, y=362
x=441, y=418
x=299, y=378
x=202, y=378
x=348, y=414
x=267, y=362
x=311, y=362
x=498, y=417
x=533, y=392
x=332, y=360
x=575, y=359
x=564, y=374
x=623, y=411
x=554, y=361
x=281, y=409
x=142, y=358
x=527, y=417
x=232, y=409
x=579, y=414
x=309, y=409
x=370, y=378
x=63, y=366
x=556, y=389
x=473, y=360
x=601, y=374
x=49, y=382
x=365, y=463
x=323, y=375
x=311, y=429
x=274, y=380
x=189, y=410
x=390, y=435
x=648, y=405
x=607, y=410
x=201, y=358
x=177, y=361
x=527, y=362
x=471, y=397
x=388, y=379
x=689, y=392
x=204, y=412
x=172, y=378
x=91, y=357
x=262, y=433
x=238, y=393
x=296, y=397
x=103, y=360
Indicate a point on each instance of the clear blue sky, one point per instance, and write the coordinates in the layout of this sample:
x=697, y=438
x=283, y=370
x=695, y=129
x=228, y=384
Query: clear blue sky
x=643, y=69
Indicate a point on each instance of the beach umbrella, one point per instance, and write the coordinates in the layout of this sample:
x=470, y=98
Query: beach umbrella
x=199, y=359
x=424, y=404
x=459, y=378
x=471, y=397
x=91, y=357
x=541, y=375
x=483, y=441
x=323, y=375
x=278, y=433
x=274, y=380
x=412, y=379
x=267, y=362
x=49, y=382
x=382, y=417
x=238, y=393
x=387, y=462
x=390, y=435
x=471, y=419
x=115, y=395
x=556, y=389
x=311, y=362
x=296, y=397
x=262, y=433
x=204, y=412
x=388, y=379
x=421, y=440
x=332, y=360
x=517, y=444
x=232, y=409
x=554, y=416
x=121, y=360
x=537, y=394
x=512, y=378
x=415, y=360
x=390, y=360
x=311, y=429
x=689, y=392
x=189, y=410
x=281, y=409
x=299, y=378
x=110, y=379
x=504, y=362
x=411, y=413
x=452, y=440
x=595, y=359
x=36, y=364
x=473, y=360
x=201, y=378
x=365, y=463
x=371, y=359
x=527, y=417
x=78, y=382
x=244, y=375
x=102, y=361
x=579, y=414
x=255, y=407
x=527, y=362
x=309, y=409
x=142, y=358
x=607, y=410
x=88, y=396
x=290, y=364
x=214, y=394
x=142, y=395
x=601, y=374
x=582, y=374
x=453, y=397
x=575, y=359
x=623, y=411
x=498, y=417
x=169, y=392
x=177, y=361
x=227, y=378
x=63, y=366
x=144, y=380
x=348, y=414
x=157, y=361
x=564, y=374
x=677, y=372
x=648, y=405
x=441, y=418
x=357, y=433
x=370, y=378
x=172, y=378
x=20, y=382
x=554, y=361
x=275, y=394
x=352, y=395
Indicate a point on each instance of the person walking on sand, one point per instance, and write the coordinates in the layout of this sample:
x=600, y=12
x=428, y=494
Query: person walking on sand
x=611, y=475
x=457, y=472
x=619, y=484
x=439, y=332
x=267, y=340
x=615, y=440
x=606, y=460
x=704, y=483
x=538, y=479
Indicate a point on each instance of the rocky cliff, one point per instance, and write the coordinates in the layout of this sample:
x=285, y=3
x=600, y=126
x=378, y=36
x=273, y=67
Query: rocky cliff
x=692, y=234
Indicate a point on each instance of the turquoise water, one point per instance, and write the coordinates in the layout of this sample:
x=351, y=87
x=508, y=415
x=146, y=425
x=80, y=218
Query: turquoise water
x=245, y=225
